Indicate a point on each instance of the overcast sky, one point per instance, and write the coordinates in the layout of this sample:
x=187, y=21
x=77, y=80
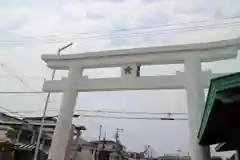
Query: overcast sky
x=29, y=29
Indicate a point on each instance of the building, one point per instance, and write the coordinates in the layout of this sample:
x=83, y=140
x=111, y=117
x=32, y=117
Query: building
x=100, y=150
x=17, y=139
x=108, y=150
x=174, y=157
x=136, y=155
x=19, y=136
x=48, y=129
x=85, y=150
x=220, y=122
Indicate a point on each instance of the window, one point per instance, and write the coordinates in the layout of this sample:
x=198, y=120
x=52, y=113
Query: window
x=48, y=142
x=80, y=149
x=26, y=136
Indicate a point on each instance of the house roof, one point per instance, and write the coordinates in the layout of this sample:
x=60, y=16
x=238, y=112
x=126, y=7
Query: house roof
x=103, y=141
x=227, y=146
x=34, y=121
x=48, y=118
x=84, y=143
x=219, y=110
x=11, y=117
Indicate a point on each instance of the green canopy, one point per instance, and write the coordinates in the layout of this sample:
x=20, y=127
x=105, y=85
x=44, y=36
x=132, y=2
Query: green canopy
x=222, y=111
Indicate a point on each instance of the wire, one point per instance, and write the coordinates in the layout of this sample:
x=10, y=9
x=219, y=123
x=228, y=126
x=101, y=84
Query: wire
x=110, y=112
x=166, y=25
x=125, y=112
x=131, y=34
x=22, y=81
x=16, y=76
x=136, y=34
x=141, y=27
x=123, y=36
x=136, y=118
x=116, y=117
x=16, y=92
x=164, y=31
x=23, y=77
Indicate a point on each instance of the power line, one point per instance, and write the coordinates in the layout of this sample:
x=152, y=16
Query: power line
x=20, y=93
x=16, y=76
x=110, y=112
x=123, y=36
x=165, y=31
x=196, y=28
x=116, y=117
x=22, y=77
x=134, y=118
x=141, y=27
x=130, y=112
x=20, y=80
x=166, y=25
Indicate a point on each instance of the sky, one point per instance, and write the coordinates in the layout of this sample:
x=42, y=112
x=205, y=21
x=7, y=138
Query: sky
x=29, y=29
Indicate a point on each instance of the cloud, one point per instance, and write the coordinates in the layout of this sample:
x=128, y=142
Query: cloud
x=35, y=24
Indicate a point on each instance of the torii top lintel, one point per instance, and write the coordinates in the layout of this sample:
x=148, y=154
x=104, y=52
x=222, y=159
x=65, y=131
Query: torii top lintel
x=207, y=52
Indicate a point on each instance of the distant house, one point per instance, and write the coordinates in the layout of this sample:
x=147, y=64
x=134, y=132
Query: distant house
x=49, y=127
x=109, y=150
x=99, y=150
x=85, y=150
x=19, y=137
x=135, y=155
x=174, y=157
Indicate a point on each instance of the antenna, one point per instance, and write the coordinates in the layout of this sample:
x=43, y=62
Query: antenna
x=100, y=133
x=105, y=135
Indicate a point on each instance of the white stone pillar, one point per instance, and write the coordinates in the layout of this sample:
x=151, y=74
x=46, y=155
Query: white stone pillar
x=70, y=147
x=64, y=124
x=195, y=103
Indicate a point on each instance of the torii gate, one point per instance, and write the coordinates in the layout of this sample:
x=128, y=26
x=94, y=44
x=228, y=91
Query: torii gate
x=193, y=79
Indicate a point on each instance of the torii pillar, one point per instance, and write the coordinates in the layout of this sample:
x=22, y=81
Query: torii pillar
x=195, y=104
x=63, y=128
x=194, y=80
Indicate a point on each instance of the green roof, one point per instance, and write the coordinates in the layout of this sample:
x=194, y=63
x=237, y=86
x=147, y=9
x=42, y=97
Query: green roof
x=221, y=90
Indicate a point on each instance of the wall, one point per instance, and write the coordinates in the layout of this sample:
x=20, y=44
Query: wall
x=85, y=154
x=3, y=136
x=115, y=156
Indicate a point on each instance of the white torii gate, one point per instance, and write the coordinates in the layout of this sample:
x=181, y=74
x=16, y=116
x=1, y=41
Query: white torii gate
x=193, y=79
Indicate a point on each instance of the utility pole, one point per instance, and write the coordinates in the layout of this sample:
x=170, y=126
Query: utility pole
x=117, y=134
x=45, y=107
x=100, y=133
x=118, y=146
